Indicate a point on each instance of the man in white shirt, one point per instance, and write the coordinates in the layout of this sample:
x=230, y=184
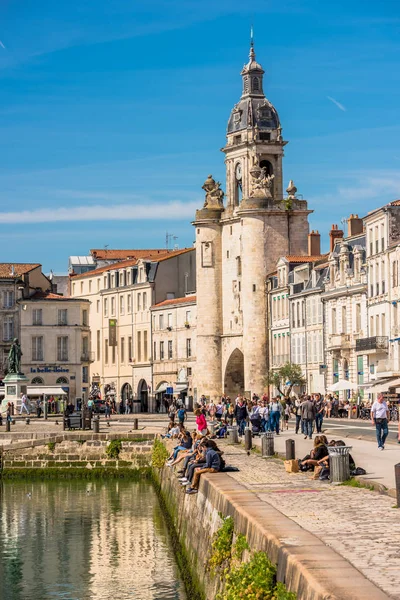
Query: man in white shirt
x=379, y=417
x=24, y=404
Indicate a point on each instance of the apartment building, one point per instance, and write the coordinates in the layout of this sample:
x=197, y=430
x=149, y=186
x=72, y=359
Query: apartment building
x=17, y=281
x=174, y=347
x=121, y=295
x=55, y=341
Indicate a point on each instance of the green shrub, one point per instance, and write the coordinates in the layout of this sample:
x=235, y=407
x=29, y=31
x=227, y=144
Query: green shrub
x=254, y=580
x=113, y=449
x=51, y=446
x=240, y=546
x=159, y=454
x=221, y=548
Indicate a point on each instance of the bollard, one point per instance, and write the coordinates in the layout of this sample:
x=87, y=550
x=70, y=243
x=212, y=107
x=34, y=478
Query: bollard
x=339, y=464
x=96, y=424
x=290, y=450
x=211, y=428
x=248, y=439
x=135, y=423
x=27, y=420
x=267, y=444
x=8, y=425
x=397, y=476
x=233, y=437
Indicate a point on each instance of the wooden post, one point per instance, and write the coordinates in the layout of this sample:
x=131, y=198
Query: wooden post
x=248, y=439
x=397, y=476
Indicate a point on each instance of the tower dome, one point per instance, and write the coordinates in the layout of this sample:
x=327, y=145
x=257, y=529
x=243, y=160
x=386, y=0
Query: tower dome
x=253, y=110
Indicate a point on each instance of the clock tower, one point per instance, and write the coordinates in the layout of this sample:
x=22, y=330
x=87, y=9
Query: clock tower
x=254, y=140
x=239, y=240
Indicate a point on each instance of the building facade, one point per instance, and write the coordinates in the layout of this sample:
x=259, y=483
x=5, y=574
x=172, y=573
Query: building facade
x=174, y=347
x=122, y=295
x=55, y=340
x=238, y=242
x=17, y=281
x=345, y=307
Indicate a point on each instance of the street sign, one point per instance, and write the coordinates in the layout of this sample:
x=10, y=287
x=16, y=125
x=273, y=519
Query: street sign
x=169, y=391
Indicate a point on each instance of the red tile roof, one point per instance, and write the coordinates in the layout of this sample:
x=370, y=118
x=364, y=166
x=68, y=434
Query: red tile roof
x=395, y=203
x=174, y=253
x=118, y=265
x=303, y=259
x=171, y=301
x=19, y=269
x=132, y=262
x=105, y=254
x=51, y=296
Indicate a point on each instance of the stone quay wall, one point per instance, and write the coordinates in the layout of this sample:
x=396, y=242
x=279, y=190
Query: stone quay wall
x=78, y=450
x=307, y=567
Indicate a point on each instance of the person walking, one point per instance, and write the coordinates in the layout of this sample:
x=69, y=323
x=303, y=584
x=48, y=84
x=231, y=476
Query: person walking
x=241, y=415
x=379, y=418
x=24, y=404
x=297, y=414
x=308, y=411
x=276, y=411
x=320, y=407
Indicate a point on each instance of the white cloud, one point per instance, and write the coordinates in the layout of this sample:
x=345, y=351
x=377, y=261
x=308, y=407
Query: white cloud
x=2, y=45
x=118, y=212
x=336, y=103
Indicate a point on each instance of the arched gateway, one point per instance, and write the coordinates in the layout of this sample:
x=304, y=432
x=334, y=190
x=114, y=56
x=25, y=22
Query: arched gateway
x=234, y=374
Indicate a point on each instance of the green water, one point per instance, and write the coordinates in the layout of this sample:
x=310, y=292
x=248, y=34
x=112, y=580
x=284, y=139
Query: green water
x=79, y=540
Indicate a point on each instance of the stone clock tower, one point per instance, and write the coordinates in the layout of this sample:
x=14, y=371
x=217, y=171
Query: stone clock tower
x=238, y=243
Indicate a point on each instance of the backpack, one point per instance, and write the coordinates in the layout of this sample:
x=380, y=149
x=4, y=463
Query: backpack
x=181, y=414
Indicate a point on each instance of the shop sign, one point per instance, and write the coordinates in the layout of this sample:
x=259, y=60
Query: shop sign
x=49, y=370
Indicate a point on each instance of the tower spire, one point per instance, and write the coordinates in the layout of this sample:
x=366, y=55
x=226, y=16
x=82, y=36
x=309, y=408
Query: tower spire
x=252, y=54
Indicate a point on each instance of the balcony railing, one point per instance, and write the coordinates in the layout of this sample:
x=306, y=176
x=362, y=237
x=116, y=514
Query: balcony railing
x=87, y=357
x=372, y=343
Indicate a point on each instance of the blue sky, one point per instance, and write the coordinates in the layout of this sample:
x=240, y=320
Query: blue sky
x=112, y=114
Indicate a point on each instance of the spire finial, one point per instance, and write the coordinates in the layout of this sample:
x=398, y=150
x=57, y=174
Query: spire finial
x=252, y=54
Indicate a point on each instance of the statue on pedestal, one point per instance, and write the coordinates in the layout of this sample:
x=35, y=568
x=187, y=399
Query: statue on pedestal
x=14, y=357
x=214, y=194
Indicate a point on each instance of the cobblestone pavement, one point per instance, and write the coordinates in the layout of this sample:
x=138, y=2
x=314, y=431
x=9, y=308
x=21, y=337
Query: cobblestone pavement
x=360, y=525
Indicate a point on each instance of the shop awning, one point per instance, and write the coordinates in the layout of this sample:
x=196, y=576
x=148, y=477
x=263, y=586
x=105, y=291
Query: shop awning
x=49, y=390
x=180, y=387
x=162, y=388
x=383, y=385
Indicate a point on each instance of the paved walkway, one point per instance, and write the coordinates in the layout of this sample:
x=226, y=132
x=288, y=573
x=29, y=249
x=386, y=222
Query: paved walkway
x=362, y=526
x=379, y=465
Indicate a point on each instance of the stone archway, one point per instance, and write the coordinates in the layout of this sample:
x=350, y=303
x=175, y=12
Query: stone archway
x=143, y=395
x=234, y=374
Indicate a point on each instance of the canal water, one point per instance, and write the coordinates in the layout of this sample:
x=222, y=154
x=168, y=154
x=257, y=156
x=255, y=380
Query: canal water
x=79, y=540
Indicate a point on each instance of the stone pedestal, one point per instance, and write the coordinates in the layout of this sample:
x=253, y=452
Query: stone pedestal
x=15, y=384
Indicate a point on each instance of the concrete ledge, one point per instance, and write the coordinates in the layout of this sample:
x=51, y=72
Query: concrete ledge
x=304, y=563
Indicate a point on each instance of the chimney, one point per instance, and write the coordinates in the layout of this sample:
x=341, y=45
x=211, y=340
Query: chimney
x=314, y=243
x=355, y=225
x=335, y=234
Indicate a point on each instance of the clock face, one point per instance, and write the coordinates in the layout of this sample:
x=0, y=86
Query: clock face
x=238, y=171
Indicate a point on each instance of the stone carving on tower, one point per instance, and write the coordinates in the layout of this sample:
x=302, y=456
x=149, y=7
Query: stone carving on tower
x=261, y=183
x=214, y=194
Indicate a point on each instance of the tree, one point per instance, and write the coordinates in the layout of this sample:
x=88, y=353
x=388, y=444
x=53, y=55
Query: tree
x=286, y=376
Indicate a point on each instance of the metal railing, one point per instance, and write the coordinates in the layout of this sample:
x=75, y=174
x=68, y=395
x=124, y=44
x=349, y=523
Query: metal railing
x=372, y=343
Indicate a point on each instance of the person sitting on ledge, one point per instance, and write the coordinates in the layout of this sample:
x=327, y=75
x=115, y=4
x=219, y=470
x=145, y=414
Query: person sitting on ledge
x=319, y=452
x=184, y=443
x=213, y=465
x=172, y=430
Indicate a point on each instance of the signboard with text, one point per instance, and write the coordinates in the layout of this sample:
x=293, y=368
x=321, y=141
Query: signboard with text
x=112, y=332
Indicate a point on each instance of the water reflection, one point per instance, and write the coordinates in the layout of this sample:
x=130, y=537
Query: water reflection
x=77, y=540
